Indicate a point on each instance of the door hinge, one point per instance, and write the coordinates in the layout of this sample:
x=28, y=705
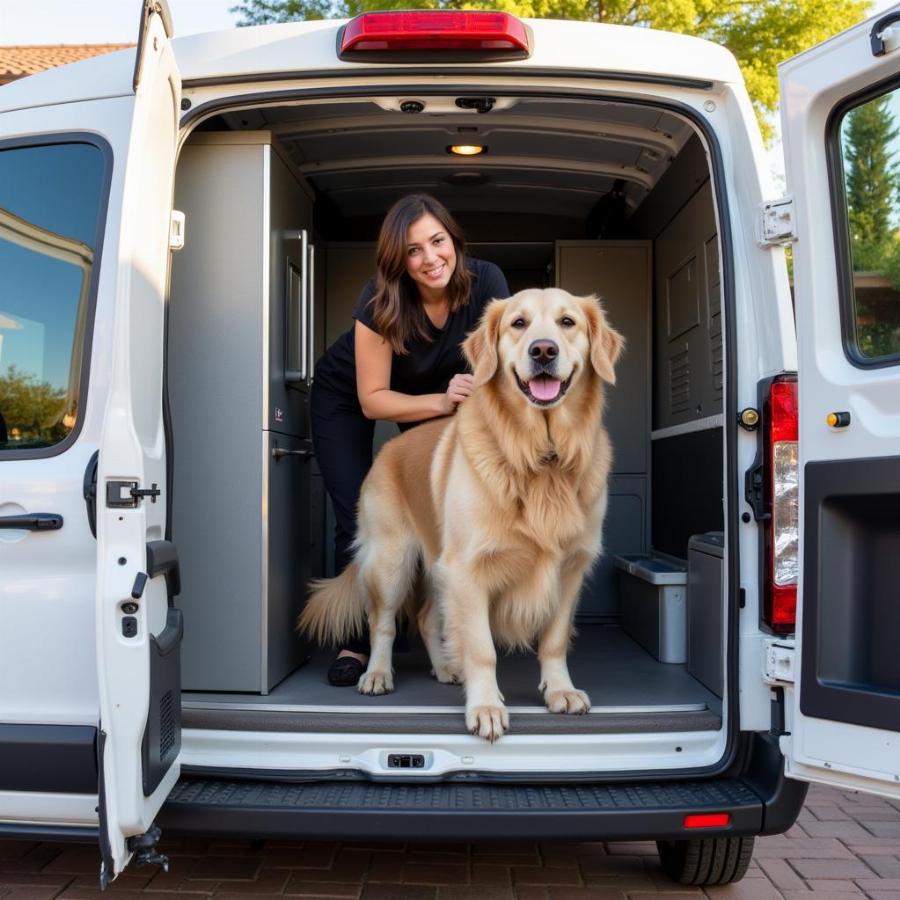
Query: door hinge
x=176, y=230
x=778, y=663
x=776, y=224
x=754, y=491
x=127, y=494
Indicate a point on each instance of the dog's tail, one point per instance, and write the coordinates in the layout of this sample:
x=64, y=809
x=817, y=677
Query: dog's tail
x=336, y=608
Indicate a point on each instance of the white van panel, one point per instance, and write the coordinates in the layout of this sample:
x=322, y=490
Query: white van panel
x=844, y=714
x=558, y=45
x=28, y=807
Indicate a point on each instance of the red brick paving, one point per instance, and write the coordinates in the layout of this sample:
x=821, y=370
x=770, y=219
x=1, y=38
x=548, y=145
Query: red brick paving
x=845, y=846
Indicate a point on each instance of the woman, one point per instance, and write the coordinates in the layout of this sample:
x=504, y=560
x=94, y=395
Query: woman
x=401, y=361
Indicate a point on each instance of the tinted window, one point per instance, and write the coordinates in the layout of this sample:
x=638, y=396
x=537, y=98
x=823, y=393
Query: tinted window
x=49, y=224
x=870, y=151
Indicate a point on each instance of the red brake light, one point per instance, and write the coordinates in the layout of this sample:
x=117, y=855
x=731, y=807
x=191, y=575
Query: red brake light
x=435, y=30
x=781, y=528
x=707, y=820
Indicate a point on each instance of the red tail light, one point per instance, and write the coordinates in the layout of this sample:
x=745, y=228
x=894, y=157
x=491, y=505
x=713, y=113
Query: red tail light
x=707, y=820
x=781, y=527
x=435, y=30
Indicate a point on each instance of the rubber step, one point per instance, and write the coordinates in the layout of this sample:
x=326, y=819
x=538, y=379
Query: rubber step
x=403, y=811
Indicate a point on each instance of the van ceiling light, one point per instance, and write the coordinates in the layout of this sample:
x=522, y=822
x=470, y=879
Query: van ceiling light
x=435, y=30
x=467, y=149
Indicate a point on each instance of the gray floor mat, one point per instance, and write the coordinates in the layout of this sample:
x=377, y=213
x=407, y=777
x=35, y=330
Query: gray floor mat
x=617, y=673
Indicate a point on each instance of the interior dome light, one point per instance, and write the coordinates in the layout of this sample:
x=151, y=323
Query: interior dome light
x=467, y=149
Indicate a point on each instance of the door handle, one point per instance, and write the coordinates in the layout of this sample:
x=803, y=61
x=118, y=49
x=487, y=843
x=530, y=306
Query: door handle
x=32, y=522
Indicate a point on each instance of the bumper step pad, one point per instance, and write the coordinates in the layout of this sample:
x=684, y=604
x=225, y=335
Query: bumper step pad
x=362, y=810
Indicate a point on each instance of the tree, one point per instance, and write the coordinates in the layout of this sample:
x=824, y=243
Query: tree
x=760, y=33
x=32, y=411
x=873, y=183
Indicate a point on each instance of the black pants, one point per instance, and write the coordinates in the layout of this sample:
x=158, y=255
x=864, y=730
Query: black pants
x=342, y=438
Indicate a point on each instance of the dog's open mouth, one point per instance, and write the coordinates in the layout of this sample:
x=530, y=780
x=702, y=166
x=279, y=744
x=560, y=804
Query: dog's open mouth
x=543, y=389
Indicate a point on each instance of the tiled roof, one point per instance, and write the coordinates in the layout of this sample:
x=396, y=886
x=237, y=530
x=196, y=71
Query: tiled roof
x=16, y=62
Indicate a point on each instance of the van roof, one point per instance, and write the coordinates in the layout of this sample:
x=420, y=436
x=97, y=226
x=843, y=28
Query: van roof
x=305, y=47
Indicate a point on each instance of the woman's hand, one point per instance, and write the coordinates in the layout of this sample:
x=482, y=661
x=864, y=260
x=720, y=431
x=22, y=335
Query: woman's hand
x=460, y=387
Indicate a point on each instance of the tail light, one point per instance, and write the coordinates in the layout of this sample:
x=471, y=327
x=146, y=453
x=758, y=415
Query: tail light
x=781, y=483
x=429, y=30
x=707, y=820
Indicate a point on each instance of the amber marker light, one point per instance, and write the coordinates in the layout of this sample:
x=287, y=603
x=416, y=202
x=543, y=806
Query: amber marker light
x=467, y=149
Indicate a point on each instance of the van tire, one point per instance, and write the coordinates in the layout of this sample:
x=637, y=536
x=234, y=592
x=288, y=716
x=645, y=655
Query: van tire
x=706, y=860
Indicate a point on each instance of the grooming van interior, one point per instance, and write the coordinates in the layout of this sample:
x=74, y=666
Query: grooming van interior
x=589, y=190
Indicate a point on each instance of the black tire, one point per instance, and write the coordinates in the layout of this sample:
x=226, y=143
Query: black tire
x=706, y=861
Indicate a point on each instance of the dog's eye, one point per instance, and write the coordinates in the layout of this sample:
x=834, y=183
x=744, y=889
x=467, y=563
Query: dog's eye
x=518, y=323
x=567, y=322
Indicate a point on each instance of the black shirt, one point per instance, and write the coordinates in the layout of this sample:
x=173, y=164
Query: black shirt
x=428, y=366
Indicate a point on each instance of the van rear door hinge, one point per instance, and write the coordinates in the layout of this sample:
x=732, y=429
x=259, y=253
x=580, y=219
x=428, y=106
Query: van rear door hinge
x=776, y=224
x=127, y=494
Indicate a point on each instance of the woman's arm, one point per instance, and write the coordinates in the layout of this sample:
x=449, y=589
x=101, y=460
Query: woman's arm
x=373, y=384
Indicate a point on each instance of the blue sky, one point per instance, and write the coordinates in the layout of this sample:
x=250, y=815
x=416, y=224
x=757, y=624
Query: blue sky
x=100, y=21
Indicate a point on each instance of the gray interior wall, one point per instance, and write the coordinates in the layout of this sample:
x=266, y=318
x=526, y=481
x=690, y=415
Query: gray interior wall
x=687, y=316
x=620, y=273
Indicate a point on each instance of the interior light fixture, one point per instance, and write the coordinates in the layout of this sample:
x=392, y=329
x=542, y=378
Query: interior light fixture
x=467, y=149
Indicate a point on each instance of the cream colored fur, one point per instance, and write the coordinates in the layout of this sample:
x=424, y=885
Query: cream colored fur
x=510, y=525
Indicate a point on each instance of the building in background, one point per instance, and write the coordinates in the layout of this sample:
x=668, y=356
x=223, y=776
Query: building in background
x=19, y=61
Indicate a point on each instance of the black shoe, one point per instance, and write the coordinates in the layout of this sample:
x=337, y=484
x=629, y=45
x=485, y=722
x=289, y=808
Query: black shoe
x=345, y=671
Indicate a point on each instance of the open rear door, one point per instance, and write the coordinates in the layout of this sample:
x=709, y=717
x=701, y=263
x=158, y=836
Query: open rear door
x=138, y=626
x=841, y=118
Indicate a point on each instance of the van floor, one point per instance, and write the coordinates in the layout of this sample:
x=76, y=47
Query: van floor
x=630, y=691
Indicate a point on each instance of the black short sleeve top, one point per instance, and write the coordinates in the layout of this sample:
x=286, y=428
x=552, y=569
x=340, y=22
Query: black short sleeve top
x=428, y=366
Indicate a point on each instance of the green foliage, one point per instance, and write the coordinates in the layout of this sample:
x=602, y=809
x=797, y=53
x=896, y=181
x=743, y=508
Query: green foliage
x=760, y=33
x=32, y=410
x=872, y=179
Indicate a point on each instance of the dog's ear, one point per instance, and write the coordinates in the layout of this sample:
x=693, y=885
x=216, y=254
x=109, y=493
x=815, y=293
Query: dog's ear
x=480, y=347
x=606, y=343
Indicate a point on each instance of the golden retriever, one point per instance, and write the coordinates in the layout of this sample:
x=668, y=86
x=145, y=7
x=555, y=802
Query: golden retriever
x=501, y=505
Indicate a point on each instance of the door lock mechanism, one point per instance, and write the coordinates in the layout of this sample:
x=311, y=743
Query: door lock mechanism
x=127, y=494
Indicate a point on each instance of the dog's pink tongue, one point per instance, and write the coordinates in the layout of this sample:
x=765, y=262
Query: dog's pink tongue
x=543, y=387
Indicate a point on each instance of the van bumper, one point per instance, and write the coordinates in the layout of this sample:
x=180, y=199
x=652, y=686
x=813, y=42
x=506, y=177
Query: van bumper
x=759, y=800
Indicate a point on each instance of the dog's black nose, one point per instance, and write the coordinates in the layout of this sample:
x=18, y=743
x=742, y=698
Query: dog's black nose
x=543, y=351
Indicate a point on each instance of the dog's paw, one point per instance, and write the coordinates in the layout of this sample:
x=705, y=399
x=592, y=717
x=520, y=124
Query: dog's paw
x=489, y=722
x=446, y=676
x=375, y=683
x=572, y=701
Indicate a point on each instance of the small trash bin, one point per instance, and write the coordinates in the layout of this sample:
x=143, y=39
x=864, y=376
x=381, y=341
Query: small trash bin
x=654, y=607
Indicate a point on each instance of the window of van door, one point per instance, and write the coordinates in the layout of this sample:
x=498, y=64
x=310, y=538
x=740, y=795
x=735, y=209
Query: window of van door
x=50, y=203
x=869, y=135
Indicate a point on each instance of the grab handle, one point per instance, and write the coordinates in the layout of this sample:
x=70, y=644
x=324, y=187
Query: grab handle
x=300, y=347
x=876, y=34
x=32, y=522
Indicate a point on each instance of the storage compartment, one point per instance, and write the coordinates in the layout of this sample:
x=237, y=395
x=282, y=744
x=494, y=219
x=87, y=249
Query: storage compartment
x=654, y=613
x=705, y=634
x=239, y=361
x=250, y=517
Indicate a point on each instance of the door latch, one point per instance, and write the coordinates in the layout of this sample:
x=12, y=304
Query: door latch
x=127, y=494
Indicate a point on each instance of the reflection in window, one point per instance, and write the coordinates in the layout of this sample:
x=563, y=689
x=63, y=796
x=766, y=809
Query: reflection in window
x=870, y=147
x=49, y=206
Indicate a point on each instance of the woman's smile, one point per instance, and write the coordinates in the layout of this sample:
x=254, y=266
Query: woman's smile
x=430, y=256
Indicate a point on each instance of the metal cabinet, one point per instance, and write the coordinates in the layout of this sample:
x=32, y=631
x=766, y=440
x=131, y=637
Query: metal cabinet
x=239, y=365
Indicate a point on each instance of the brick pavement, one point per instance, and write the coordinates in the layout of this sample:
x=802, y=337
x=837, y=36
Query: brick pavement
x=844, y=845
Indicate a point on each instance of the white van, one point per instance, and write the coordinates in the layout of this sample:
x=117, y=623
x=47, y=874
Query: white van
x=160, y=509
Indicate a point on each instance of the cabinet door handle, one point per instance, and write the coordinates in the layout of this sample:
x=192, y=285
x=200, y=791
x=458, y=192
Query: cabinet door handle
x=32, y=522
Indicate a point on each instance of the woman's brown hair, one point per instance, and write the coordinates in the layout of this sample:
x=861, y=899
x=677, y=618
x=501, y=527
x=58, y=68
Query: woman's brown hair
x=397, y=310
